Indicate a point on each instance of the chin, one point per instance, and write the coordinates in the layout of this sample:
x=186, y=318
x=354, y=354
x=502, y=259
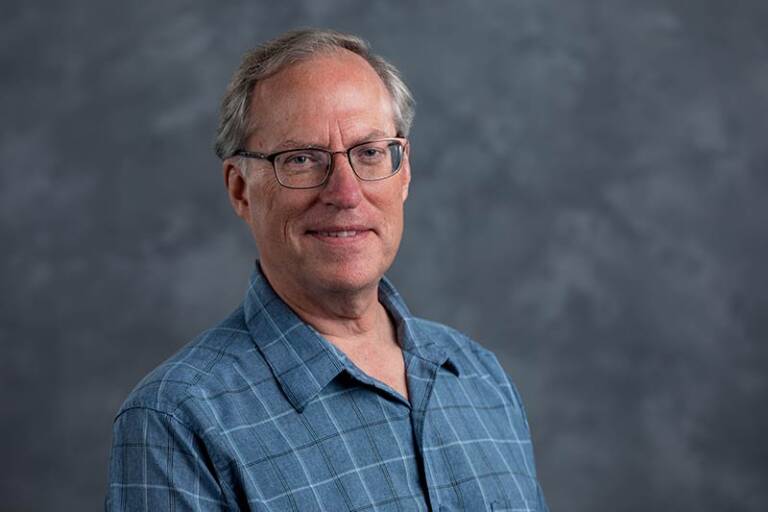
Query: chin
x=349, y=276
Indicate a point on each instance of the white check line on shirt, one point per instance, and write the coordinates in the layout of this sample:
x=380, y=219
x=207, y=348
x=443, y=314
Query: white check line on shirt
x=289, y=410
x=166, y=488
x=327, y=480
x=481, y=440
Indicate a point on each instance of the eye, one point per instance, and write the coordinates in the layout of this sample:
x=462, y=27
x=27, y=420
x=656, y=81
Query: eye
x=369, y=154
x=300, y=159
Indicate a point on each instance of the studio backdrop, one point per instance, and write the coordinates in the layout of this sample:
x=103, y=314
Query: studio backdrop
x=588, y=200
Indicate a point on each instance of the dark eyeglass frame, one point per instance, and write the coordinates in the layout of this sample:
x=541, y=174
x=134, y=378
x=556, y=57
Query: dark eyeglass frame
x=348, y=152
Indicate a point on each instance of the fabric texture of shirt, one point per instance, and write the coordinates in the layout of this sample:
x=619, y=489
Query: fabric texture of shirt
x=262, y=413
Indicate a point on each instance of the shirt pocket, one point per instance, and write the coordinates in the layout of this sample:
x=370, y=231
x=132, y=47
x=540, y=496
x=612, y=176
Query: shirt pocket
x=521, y=494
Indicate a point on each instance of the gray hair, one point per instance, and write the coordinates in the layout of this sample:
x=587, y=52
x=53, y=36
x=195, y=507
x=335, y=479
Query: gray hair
x=289, y=48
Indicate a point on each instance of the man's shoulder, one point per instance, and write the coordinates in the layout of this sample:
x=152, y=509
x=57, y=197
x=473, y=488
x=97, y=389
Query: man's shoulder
x=472, y=360
x=464, y=351
x=198, y=370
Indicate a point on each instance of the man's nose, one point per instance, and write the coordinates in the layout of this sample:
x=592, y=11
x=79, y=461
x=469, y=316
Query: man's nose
x=343, y=188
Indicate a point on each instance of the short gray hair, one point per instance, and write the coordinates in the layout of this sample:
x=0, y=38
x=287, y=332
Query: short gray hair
x=289, y=48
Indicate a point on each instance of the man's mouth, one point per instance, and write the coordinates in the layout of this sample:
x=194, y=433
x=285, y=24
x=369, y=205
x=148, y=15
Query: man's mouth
x=340, y=232
x=337, y=234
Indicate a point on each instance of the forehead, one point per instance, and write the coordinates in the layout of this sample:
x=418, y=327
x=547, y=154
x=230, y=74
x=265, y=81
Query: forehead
x=312, y=98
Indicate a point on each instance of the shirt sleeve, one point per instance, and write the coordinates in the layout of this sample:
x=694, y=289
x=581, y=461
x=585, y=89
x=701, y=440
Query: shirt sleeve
x=541, y=502
x=158, y=463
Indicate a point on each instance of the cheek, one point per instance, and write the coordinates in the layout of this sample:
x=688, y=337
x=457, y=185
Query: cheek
x=391, y=207
x=261, y=205
x=278, y=212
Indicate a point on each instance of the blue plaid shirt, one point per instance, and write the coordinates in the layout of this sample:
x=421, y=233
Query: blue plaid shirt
x=262, y=413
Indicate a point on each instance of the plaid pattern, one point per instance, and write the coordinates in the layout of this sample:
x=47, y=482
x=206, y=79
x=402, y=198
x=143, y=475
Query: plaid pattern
x=262, y=413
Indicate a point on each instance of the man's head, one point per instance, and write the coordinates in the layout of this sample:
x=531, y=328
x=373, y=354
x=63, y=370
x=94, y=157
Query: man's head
x=237, y=113
x=316, y=89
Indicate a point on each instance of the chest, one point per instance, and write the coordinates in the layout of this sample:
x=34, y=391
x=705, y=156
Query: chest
x=386, y=366
x=462, y=446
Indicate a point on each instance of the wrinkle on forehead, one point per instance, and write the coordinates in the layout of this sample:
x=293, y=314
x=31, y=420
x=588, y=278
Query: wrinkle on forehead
x=330, y=97
x=307, y=144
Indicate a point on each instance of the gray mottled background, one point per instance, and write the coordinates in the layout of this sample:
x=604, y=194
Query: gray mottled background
x=588, y=199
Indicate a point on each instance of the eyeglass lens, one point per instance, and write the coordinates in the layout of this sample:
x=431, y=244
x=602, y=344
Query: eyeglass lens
x=308, y=167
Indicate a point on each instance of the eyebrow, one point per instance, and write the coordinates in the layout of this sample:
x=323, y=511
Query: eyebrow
x=297, y=144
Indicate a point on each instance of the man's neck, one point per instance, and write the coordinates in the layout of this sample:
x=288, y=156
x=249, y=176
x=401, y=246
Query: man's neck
x=344, y=314
x=355, y=322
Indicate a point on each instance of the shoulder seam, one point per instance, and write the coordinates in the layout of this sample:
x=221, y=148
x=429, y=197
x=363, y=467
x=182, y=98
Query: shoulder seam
x=171, y=415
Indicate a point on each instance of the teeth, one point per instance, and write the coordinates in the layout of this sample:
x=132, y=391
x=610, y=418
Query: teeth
x=337, y=234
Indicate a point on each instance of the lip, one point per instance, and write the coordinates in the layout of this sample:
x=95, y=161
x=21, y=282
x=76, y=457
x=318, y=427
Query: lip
x=339, y=234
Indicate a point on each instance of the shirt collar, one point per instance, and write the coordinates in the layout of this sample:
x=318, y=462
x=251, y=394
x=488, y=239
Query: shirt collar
x=302, y=361
x=410, y=334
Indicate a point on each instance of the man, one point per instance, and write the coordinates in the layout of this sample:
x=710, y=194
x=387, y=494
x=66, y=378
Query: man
x=322, y=392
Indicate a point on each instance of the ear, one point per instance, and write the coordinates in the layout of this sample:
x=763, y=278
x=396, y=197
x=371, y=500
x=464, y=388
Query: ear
x=234, y=180
x=406, y=171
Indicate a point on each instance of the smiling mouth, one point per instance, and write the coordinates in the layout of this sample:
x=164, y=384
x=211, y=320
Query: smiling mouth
x=339, y=234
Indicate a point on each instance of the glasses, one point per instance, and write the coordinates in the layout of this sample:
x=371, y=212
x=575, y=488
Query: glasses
x=310, y=167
